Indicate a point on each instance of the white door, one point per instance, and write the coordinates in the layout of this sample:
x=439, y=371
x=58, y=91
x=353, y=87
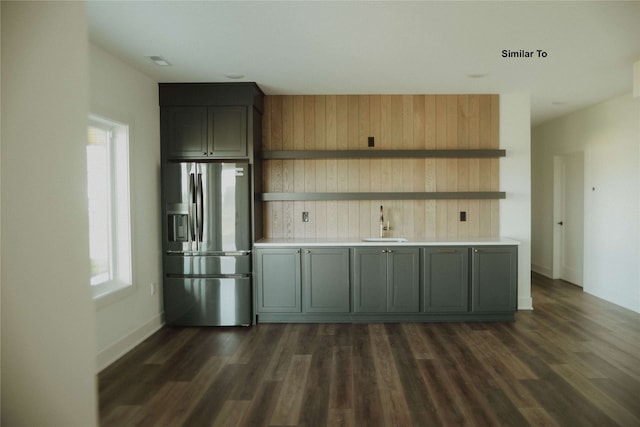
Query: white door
x=569, y=218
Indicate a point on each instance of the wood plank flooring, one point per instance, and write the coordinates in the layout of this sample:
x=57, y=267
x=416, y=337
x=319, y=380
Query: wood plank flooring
x=574, y=361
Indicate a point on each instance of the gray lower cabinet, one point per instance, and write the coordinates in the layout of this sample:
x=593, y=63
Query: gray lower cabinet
x=403, y=280
x=374, y=283
x=369, y=280
x=291, y=280
x=494, y=279
x=386, y=280
x=325, y=281
x=278, y=281
x=445, y=276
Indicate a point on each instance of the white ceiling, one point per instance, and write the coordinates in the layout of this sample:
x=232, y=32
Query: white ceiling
x=393, y=47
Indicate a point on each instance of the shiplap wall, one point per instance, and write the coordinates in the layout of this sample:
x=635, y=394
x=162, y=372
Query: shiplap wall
x=399, y=122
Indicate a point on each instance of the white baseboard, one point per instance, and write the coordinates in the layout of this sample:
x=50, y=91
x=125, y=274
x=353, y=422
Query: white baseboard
x=119, y=348
x=545, y=271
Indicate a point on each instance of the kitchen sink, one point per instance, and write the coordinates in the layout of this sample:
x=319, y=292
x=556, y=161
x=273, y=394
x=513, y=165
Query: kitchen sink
x=385, y=239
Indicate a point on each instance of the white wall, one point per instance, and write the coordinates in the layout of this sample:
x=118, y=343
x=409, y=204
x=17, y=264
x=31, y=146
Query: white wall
x=515, y=180
x=609, y=135
x=48, y=328
x=122, y=93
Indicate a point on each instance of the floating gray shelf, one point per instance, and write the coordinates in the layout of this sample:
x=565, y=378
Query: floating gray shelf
x=380, y=154
x=442, y=195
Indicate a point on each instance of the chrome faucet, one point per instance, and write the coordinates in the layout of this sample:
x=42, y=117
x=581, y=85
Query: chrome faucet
x=383, y=227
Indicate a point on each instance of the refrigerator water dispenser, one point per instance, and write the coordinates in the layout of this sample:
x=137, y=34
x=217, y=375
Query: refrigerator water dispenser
x=178, y=227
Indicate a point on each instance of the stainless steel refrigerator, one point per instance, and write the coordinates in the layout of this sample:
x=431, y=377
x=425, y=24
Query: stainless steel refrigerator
x=207, y=244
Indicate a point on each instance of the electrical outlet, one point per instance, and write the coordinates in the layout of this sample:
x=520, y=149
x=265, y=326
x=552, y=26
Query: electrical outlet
x=371, y=141
x=153, y=288
x=305, y=216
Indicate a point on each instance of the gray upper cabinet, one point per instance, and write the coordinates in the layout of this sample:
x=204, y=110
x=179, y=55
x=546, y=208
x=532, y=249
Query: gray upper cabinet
x=446, y=279
x=326, y=280
x=277, y=281
x=227, y=131
x=205, y=132
x=386, y=280
x=210, y=121
x=494, y=279
x=185, y=131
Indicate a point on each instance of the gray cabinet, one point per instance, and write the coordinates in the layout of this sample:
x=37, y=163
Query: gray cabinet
x=291, y=280
x=494, y=279
x=386, y=280
x=325, y=280
x=403, y=280
x=203, y=132
x=369, y=280
x=185, y=131
x=227, y=134
x=386, y=284
x=277, y=281
x=445, y=277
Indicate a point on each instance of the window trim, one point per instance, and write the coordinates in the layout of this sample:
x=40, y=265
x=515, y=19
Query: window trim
x=120, y=233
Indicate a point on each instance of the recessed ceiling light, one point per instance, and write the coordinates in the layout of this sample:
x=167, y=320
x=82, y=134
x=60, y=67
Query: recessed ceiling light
x=234, y=76
x=477, y=75
x=159, y=60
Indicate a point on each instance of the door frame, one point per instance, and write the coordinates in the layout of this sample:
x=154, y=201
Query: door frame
x=558, y=214
x=559, y=207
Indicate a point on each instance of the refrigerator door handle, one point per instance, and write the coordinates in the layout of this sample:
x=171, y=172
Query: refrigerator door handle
x=200, y=214
x=192, y=201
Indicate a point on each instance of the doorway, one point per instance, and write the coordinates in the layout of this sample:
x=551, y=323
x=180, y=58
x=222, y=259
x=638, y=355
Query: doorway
x=568, y=215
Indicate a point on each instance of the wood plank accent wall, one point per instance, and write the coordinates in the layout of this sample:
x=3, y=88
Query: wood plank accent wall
x=398, y=122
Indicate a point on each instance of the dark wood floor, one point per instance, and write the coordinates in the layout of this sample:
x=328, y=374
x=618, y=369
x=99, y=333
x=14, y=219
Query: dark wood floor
x=574, y=361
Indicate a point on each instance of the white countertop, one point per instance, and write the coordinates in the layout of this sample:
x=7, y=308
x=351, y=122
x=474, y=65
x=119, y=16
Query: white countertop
x=356, y=241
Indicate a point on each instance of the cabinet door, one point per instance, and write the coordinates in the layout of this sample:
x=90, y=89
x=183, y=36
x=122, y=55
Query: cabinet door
x=370, y=280
x=445, y=280
x=278, y=281
x=185, y=131
x=326, y=280
x=495, y=278
x=227, y=131
x=403, y=280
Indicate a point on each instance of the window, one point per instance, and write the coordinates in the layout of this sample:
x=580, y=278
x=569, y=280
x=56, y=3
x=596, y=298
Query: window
x=109, y=213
